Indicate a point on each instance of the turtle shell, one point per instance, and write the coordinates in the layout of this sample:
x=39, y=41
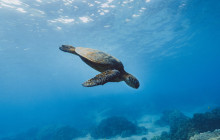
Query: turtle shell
x=97, y=56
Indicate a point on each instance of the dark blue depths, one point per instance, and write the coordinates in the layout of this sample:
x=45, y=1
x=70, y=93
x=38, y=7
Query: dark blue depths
x=172, y=47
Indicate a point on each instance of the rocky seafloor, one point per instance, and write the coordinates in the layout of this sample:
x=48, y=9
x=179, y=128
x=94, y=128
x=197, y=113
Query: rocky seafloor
x=183, y=127
x=215, y=135
x=171, y=125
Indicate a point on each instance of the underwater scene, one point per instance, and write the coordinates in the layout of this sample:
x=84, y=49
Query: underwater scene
x=109, y=69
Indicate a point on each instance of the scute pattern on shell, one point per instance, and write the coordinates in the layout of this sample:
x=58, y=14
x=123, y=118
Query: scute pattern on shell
x=97, y=56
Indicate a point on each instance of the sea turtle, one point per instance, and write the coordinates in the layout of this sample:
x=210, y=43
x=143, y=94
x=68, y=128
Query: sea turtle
x=112, y=70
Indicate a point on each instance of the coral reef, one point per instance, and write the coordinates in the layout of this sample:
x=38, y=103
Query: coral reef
x=163, y=136
x=117, y=126
x=182, y=127
x=215, y=135
x=208, y=121
x=202, y=126
x=178, y=123
x=107, y=128
x=171, y=117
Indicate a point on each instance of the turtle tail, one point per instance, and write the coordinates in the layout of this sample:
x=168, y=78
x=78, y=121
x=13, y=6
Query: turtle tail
x=68, y=48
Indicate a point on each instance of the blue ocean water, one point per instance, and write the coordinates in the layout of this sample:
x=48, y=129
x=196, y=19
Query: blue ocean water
x=171, y=46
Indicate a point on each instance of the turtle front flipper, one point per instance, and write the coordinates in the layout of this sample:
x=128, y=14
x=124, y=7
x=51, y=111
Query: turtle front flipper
x=102, y=78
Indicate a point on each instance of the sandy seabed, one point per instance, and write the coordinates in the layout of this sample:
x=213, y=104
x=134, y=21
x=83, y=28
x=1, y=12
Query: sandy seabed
x=148, y=122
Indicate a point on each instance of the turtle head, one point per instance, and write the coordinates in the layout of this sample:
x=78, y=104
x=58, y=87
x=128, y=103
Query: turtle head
x=131, y=80
x=68, y=48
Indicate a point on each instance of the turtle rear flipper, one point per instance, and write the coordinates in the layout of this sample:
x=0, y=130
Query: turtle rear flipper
x=102, y=78
x=68, y=48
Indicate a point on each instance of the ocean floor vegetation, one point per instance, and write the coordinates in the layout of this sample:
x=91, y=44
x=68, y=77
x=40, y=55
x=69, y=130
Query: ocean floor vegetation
x=215, y=135
x=117, y=126
x=172, y=125
x=183, y=127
